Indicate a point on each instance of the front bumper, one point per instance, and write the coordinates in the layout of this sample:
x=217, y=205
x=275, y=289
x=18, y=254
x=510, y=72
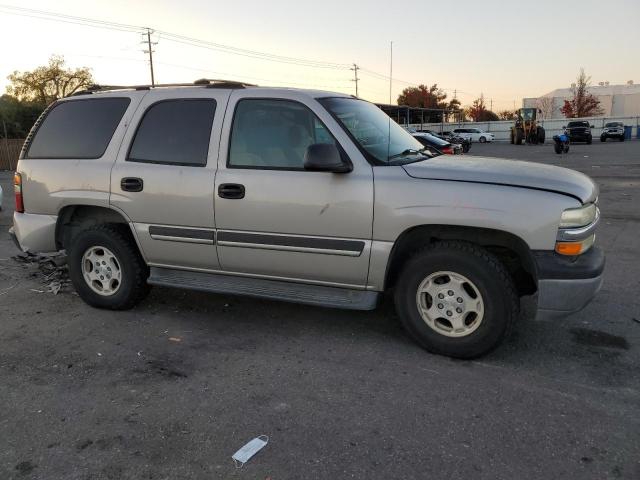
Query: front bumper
x=566, y=285
x=579, y=136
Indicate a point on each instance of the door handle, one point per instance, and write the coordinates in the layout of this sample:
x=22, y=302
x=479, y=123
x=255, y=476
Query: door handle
x=131, y=184
x=233, y=191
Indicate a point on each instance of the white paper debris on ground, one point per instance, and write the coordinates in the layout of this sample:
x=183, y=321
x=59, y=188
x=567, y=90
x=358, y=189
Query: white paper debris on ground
x=243, y=455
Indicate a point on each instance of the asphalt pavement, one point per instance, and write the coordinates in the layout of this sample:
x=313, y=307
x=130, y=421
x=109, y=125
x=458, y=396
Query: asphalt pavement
x=171, y=389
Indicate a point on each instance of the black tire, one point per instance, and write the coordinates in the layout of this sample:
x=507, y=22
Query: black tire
x=482, y=140
x=589, y=140
x=603, y=138
x=491, y=279
x=118, y=239
x=557, y=147
x=566, y=148
x=622, y=139
x=541, y=135
x=519, y=135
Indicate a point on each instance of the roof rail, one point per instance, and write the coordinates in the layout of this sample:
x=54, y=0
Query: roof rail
x=202, y=82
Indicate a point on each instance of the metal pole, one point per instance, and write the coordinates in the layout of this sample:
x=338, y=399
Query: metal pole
x=153, y=81
x=390, y=72
x=355, y=76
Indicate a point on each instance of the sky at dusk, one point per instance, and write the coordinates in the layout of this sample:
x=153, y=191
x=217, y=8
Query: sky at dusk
x=496, y=48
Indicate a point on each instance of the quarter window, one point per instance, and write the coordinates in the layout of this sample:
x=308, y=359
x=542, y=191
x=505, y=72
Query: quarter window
x=78, y=128
x=274, y=134
x=175, y=132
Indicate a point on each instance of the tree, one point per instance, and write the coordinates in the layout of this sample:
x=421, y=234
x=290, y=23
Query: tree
x=48, y=83
x=545, y=104
x=583, y=103
x=478, y=111
x=424, y=96
x=17, y=116
x=507, y=115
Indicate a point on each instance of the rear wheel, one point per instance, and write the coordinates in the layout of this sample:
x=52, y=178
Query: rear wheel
x=557, y=147
x=106, y=268
x=456, y=299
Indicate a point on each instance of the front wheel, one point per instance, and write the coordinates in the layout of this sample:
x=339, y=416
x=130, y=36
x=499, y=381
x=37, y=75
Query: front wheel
x=106, y=268
x=622, y=139
x=456, y=299
x=482, y=140
x=589, y=140
x=603, y=138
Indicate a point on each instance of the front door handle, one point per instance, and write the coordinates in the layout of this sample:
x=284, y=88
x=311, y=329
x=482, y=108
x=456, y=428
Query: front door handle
x=131, y=184
x=233, y=191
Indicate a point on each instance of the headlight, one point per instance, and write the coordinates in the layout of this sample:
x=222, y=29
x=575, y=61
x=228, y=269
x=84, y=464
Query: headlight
x=578, y=217
x=576, y=234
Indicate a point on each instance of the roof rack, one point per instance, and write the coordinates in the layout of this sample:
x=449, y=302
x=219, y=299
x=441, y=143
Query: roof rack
x=202, y=82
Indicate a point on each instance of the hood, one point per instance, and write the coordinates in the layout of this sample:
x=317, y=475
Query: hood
x=512, y=173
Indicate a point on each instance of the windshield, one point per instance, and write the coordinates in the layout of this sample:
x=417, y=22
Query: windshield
x=382, y=139
x=613, y=124
x=578, y=124
x=527, y=113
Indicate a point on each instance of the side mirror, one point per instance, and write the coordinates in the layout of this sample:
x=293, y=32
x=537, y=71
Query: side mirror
x=325, y=157
x=564, y=126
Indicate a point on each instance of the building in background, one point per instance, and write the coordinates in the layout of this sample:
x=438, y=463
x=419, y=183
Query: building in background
x=615, y=100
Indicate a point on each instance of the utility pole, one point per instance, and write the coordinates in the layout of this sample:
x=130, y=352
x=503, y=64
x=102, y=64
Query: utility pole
x=149, y=50
x=390, y=72
x=491, y=104
x=355, y=76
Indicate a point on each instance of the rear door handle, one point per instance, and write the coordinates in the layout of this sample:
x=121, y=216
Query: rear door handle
x=131, y=184
x=233, y=191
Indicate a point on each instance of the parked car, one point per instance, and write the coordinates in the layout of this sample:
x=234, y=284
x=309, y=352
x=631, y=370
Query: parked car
x=612, y=130
x=579, y=131
x=465, y=143
x=438, y=144
x=304, y=196
x=453, y=138
x=474, y=134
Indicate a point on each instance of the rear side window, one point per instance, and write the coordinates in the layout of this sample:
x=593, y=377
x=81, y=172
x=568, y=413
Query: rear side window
x=78, y=128
x=175, y=132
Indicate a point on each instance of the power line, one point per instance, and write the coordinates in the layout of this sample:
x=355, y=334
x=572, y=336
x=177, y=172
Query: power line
x=249, y=53
x=60, y=17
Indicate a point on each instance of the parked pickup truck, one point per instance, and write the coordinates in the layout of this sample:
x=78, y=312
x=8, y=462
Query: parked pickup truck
x=303, y=196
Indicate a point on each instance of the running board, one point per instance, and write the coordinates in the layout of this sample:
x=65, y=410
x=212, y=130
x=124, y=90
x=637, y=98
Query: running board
x=317, y=295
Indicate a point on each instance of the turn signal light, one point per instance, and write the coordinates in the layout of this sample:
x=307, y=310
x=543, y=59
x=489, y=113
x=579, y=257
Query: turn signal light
x=575, y=248
x=17, y=188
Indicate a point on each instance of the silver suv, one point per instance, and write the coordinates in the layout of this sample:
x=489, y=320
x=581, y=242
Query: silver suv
x=303, y=196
